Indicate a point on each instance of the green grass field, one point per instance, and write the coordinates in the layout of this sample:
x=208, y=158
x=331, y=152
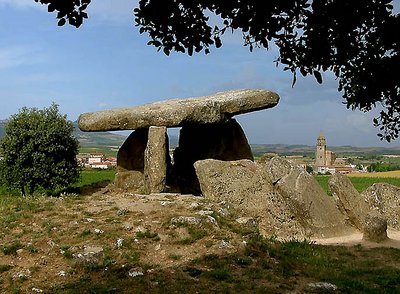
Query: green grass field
x=89, y=181
x=360, y=183
x=92, y=177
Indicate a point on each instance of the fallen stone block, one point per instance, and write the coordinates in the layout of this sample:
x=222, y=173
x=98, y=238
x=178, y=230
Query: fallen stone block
x=348, y=200
x=386, y=199
x=375, y=227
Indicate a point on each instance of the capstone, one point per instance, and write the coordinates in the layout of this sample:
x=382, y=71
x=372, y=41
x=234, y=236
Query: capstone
x=180, y=112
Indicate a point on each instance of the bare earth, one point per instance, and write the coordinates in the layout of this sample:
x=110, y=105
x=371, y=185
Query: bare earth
x=355, y=239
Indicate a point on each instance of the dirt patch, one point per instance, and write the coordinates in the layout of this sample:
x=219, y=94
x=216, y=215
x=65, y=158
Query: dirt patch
x=357, y=239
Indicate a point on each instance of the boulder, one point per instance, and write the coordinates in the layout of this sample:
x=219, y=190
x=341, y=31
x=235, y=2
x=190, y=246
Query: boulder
x=243, y=184
x=223, y=141
x=348, y=200
x=306, y=199
x=386, y=199
x=131, y=154
x=156, y=160
x=129, y=180
x=375, y=227
x=180, y=112
x=91, y=255
x=130, y=161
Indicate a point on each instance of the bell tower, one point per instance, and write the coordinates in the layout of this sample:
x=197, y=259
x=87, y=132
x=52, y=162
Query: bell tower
x=320, y=154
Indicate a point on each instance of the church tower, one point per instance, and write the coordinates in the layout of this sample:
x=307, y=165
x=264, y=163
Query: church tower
x=320, y=154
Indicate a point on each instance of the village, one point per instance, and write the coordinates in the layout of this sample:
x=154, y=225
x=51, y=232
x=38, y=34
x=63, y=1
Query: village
x=96, y=160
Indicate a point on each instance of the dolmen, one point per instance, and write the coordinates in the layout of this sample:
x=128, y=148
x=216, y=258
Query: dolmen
x=208, y=131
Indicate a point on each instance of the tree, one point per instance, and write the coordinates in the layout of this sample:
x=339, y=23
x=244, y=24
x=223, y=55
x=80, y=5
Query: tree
x=357, y=40
x=39, y=151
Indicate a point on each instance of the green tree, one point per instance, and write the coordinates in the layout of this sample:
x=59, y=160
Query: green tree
x=39, y=151
x=357, y=40
x=309, y=169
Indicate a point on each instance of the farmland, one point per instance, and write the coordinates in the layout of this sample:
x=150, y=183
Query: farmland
x=362, y=181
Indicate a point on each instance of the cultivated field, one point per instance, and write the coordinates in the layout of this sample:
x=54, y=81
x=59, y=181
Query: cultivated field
x=388, y=174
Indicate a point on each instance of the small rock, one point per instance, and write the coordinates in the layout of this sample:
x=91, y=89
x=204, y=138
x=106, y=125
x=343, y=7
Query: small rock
x=51, y=243
x=243, y=220
x=90, y=255
x=140, y=229
x=205, y=212
x=323, y=286
x=119, y=243
x=20, y=251
x=23, y=274
x=127, y=226
x=185, y=219
x=62, y=274
x=212, y=220
x=37, y=290
x=167, y=203
x=90, y=220
x=135, y=272
x=158, y=247
x=122, y=211
x=223, y=212
x=194, y=205
x=98, y=231
x=224, y=244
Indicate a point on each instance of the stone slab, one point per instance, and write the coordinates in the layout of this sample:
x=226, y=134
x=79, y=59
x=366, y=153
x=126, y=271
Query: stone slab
x=155, y=160
x=180, y=112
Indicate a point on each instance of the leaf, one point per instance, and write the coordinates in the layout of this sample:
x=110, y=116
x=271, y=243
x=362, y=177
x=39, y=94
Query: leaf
x=318, y=76
x=166, y=51
x=61, y=22
x=294, y=79
x=218, y=43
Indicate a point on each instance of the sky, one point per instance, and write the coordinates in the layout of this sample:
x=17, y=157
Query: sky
x=106, y=64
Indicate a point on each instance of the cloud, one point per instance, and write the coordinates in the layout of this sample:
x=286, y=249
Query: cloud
x=19, y=56
x=18, y=3
x=111, y=11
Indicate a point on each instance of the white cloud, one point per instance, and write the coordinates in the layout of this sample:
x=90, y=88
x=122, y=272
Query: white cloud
x=19, y=3
x=19, y=56
x=119, y=12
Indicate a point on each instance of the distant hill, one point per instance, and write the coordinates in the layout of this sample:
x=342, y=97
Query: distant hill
x=106, y=139
x=87, y=139
x=97, y=139
x=283, y=149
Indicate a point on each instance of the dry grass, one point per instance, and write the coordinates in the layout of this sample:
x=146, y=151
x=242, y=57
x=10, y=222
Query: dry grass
x=389, y=174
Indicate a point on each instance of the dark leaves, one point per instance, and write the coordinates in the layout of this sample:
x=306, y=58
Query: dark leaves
x=61, y=22
x=71, y=10
x=318, y=76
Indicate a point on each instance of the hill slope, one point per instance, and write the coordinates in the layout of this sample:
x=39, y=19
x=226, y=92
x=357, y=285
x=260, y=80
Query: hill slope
x=86, y=139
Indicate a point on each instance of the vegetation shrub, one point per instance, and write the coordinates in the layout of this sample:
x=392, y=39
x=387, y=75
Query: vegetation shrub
x=39, y=151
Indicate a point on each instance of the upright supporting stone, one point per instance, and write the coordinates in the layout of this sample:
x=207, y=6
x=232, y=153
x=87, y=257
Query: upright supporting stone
x=223, y=141
x=156, y=159
x=130, y=161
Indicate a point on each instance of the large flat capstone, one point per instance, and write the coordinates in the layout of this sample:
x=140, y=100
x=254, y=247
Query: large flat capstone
x=180, y=112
